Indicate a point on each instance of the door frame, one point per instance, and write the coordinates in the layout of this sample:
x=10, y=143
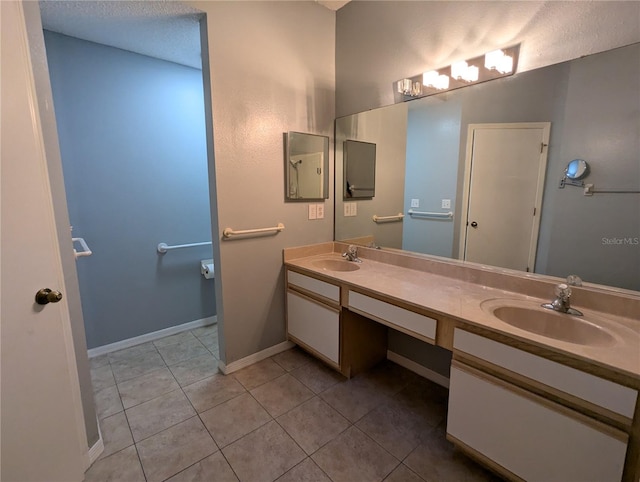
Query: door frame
x=542, y=169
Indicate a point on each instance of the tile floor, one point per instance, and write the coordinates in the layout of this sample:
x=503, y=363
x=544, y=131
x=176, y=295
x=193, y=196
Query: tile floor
x=167, y=414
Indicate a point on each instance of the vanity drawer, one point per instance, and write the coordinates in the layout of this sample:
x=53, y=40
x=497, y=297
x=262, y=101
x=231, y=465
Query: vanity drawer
x=392, y=315
x=314, y=324
x=601, y=392
x=322, y=288
x=532, y=438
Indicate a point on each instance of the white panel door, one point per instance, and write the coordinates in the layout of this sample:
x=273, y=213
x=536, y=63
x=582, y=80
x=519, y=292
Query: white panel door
x=43, y=435
x=505, y=189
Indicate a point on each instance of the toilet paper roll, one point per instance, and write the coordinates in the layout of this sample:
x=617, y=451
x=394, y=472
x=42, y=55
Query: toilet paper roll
x=206, y=268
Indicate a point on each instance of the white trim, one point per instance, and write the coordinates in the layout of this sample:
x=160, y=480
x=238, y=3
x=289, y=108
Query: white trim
x=421, y=370
x=96, y=451
x=256, y=357
x=155, y=335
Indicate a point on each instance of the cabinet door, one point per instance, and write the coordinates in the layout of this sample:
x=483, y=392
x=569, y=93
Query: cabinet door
x=314, y=324
x=530, y=437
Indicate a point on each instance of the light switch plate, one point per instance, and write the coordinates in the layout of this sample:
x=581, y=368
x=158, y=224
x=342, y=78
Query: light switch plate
x=446, y=204
x=313, y=211
x=320, y=211
x=415, y=203
x=347, y=209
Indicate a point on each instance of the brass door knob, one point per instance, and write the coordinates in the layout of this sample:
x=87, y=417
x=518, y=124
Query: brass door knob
x=45, y=295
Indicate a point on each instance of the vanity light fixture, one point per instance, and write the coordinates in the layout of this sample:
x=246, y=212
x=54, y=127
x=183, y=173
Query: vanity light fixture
x=492, y=65
x=498, y=60
x=436, y=80
x=463, y=71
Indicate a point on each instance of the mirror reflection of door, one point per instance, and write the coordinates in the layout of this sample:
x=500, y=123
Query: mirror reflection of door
x=504, y=180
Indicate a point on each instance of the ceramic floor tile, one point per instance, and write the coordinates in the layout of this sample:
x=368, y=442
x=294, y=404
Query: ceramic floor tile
x=259, y=373
x=195, y=369
x=107, y=402
x=425, y=398
x=213, y=391
x=305, y=471
x=403, y=474
x=102, y=377
x=354, y=456
x=396, y=427
x=210, y=341
x=436, y=459
x=179, y=352
x=170, y=451
x=209, y=330
x=119, y=467
x=128, y=368
x=313, y=424
x=115, y=434
x=389, y=378
x=213, y=468
x=292, y=359
x=158, y=414
x=235, y=418
x=281, y=395
x=172, y=339
x=354, y=398
x=264, y=454
x=317, y=376
x=98, y=361
x=147, y=387
x=131, y=352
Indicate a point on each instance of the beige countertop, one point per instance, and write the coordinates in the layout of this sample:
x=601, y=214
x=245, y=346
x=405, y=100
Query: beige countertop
x=462, y=301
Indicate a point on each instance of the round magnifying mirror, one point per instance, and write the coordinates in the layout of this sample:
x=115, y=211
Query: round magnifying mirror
x=577, y=169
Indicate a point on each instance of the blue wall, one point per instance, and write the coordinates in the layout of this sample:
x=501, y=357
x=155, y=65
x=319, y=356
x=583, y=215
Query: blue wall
x=132, y=139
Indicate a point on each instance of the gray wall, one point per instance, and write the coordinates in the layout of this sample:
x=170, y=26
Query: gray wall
x=386, y=130
x=272, y=68
x=132, y=139
x=605, y=132
x=433, y=139
x=381, y=42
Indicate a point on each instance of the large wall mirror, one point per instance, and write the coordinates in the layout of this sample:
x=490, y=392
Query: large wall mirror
x=425, y=164
x=306, y=167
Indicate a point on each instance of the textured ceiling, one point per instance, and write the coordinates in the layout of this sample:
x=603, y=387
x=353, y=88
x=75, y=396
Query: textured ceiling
x=162, y=29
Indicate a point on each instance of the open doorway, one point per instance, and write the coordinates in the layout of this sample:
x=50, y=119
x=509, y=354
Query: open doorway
x=132, y=137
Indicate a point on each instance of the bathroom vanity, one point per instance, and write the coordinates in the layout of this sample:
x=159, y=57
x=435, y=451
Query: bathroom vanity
x=534, y=394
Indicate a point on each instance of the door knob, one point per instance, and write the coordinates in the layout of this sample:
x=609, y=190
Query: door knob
x=45, y=295
x=474, y=224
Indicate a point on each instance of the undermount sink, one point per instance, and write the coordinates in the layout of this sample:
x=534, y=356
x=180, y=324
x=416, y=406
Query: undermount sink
x=336, y=265
x=531, y=317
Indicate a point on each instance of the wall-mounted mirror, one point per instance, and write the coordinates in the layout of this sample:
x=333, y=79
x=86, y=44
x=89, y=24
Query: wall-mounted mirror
x=592, y=105
x=306, y=167
x=577, y=169
x=359, y=169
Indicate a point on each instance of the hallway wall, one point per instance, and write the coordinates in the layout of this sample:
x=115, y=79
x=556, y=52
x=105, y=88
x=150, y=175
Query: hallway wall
x=132, y=139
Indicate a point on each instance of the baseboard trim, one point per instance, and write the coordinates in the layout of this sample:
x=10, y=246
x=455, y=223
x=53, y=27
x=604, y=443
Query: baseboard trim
x=155, y=335
x=95, y=451
x=256, y=357
x=419, y=369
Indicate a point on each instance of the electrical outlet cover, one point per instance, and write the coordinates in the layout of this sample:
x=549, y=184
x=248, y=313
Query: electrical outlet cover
x=354, y=209
x=415, y=203
x=446, y=204
x=320, y=211
x=313, y=211
x=347, y=209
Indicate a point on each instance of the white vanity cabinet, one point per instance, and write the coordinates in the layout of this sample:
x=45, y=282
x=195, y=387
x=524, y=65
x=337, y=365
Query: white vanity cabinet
x=522, y=433
x=313, y=315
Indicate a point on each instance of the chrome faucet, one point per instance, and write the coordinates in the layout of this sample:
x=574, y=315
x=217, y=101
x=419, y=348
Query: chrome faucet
x=561, y=303
x=352, y=254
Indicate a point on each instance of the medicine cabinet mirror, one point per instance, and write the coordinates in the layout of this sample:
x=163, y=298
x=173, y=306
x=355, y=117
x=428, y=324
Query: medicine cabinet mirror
x=359, y=169
x=306, y=167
